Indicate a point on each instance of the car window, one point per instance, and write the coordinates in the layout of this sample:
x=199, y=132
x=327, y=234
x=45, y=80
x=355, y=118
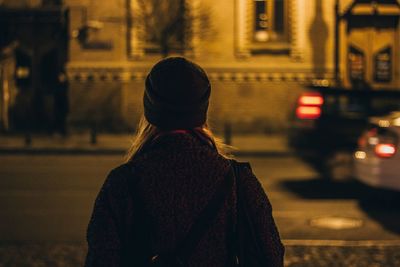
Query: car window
x=359, y=106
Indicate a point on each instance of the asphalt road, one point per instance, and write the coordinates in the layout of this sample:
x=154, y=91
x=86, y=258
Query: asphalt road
x=50, y=197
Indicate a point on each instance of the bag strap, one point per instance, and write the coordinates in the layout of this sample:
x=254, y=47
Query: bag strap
x=141, y=219
x=206, y=218
x=200, y=226
x=244, y=219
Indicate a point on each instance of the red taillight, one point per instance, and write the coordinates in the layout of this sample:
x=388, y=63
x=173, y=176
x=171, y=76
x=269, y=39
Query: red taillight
x=367, y=138
x=306, y=112
x=362, y=141
x=309, y=106
x=385, y=150
x=311, y=99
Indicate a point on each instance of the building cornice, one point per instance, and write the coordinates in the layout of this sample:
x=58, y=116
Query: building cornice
x=121, y=74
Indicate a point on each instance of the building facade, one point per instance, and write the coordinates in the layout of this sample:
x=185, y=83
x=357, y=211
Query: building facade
x=33, y=54
x=259, y=54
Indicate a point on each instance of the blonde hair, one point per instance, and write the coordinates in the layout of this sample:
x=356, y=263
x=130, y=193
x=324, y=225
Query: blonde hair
x=146, y=132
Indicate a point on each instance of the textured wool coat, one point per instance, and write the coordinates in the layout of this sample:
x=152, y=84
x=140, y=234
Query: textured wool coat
x=174, y=179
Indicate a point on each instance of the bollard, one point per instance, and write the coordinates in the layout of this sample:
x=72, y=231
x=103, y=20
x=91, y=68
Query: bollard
x=228, y=133
x=28, y=139
x=93, y=135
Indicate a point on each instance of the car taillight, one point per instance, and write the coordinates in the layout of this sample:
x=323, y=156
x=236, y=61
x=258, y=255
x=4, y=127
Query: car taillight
x=311, y=99
x=311, y=113
x=368, y=138
x=309, y=106
x=385, y=150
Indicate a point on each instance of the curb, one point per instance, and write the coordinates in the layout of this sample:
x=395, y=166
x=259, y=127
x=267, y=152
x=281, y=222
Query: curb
x=341, y=243
x=60, y=151
x=110, y=151
x=271, y=153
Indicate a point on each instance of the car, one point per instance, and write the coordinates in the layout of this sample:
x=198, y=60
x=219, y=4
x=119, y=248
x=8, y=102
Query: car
x=326, y=122
x=377, y=158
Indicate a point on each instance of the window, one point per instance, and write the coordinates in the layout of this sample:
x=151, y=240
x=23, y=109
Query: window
x=270, y=27
x=159, y=26
x=270, y=24
x=269, y=20
x=164, y=25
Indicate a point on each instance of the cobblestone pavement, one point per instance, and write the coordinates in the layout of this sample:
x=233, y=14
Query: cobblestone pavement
x=342, y=256
x=73, y=255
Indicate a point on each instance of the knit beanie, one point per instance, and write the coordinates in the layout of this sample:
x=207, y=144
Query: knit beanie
x=176, y=94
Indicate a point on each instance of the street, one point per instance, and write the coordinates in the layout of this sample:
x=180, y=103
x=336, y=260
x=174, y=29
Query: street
x=47, y=199
x=273, y=79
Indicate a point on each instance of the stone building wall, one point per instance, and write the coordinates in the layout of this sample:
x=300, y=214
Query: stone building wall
x=256, y=103
x=252, y=91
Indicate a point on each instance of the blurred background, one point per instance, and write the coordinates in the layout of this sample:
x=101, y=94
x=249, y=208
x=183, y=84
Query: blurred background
x=308, y=91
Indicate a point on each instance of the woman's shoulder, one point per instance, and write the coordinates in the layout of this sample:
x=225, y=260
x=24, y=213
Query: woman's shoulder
x=119, y=176
x=243, y=165
x=121, y=170
x=243, y=169
x=247, y=177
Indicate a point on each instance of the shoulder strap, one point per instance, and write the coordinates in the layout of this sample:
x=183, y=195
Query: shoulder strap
x=248, y=247
x=141, y=228
x=200, y=226
x=205, y=219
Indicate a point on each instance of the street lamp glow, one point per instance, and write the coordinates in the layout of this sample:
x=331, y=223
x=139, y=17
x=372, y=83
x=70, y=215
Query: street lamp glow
x=360, y=155
x=262, y=36
x=384, y=123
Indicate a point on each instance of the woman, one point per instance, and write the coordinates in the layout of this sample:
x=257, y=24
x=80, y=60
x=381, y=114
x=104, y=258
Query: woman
x=152, y=210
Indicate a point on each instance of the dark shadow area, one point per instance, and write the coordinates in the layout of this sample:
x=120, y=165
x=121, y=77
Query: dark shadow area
x=382, y=206
x=319, y=188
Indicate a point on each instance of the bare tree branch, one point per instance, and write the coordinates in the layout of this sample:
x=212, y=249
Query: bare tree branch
x=168, y=24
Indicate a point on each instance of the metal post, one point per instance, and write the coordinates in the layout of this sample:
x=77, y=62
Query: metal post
x=93, y=134
x=28, y=138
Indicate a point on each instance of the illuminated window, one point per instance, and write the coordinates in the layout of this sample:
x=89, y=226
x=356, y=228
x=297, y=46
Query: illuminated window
x=270, y=22
x=269, y=27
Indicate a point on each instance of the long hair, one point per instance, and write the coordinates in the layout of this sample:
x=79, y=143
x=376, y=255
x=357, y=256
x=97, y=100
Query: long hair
x=146, y=132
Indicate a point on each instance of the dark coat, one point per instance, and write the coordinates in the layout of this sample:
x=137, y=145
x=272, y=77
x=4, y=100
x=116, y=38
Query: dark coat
x=175, y=177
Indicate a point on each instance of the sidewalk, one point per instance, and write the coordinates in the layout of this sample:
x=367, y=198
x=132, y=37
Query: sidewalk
x=72, y=254
x=245, y=145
